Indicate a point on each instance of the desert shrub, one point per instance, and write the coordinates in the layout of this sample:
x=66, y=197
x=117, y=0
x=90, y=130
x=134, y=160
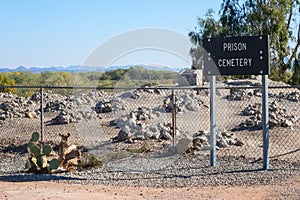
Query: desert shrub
x=6, y=81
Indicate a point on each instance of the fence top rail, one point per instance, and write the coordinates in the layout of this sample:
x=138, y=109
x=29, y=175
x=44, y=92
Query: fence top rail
x=155, y=87
x=101, y=88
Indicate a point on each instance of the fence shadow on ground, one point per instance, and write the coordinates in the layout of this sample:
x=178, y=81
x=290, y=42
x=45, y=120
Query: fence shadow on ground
x=35, y=177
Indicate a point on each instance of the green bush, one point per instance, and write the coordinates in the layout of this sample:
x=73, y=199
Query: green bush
x=5, y=80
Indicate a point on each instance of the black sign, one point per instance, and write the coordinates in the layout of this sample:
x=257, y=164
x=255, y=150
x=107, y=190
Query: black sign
x=247, y=55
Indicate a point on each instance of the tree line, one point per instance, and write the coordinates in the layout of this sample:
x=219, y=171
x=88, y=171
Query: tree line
x=134, y=76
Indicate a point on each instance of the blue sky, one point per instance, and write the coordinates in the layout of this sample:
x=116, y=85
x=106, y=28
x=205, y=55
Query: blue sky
x=65, y=32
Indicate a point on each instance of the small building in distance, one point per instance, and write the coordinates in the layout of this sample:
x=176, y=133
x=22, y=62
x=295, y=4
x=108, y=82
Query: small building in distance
x=193, y=77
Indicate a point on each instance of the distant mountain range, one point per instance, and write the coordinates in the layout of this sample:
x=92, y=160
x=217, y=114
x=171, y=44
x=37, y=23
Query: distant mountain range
x=79, y=68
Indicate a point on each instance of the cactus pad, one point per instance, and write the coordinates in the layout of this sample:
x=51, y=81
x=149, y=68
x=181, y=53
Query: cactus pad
x=47, y=150
x=54, y=163
x=35, y=137
x=35, y=150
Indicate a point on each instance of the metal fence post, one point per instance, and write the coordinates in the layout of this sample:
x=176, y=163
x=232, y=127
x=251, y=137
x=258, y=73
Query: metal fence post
x=213, y=121
x=265, y=121
x=42, y=113
x=173, y=116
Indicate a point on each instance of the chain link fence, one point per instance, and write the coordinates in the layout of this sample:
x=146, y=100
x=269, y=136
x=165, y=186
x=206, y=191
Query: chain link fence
x=243, y=117
x=114, y=123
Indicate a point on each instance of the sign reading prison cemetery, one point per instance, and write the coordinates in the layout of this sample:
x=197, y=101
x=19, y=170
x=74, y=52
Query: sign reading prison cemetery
x=237, y=56
x=246, y=55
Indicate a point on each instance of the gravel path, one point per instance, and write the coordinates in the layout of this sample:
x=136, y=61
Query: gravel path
x=173, y=171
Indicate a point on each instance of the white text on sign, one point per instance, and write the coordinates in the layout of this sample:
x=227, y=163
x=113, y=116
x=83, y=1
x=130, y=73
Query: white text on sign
x=236, y=46
x=235, y=62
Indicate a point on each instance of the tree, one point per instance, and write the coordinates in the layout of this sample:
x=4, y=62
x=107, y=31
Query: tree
x=277, y=18
x=113, y=74
x=24, y=78
x=296, y=73
x=206, y=27
x=231, y=18
x=56, y=79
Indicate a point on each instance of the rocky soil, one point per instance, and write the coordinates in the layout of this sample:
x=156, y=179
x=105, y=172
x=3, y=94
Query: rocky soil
x=132, y=134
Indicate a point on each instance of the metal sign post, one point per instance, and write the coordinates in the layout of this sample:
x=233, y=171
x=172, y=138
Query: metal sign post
x=265, y=121
x=213, y=140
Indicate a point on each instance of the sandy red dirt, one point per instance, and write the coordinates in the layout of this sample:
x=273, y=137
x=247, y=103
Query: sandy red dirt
x=54, y=190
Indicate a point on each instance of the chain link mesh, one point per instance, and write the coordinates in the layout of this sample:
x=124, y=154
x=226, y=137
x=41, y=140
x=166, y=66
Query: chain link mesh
x=97, y=118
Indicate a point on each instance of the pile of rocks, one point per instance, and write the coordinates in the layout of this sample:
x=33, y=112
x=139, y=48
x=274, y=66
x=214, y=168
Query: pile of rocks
x=278, y=117
x=168, y=104
x=253, y=109
x=290, y=96
x=244, y=93
x=53, y=106
x=135, y=94
x=64, y=118
x=224, y=138
x=13, y=106
x=73, y=108
x=200, y=141
x=183, y=103
x=70, y=108
x=148, y=90
x=105, y=106
x=237, y=94
x=293, y=96
x=137, y=126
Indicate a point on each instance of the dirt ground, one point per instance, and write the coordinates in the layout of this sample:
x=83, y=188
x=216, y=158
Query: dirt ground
x=53, y=190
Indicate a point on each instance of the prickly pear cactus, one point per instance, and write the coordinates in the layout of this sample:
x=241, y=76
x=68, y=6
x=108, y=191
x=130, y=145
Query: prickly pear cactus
x=38, y=153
